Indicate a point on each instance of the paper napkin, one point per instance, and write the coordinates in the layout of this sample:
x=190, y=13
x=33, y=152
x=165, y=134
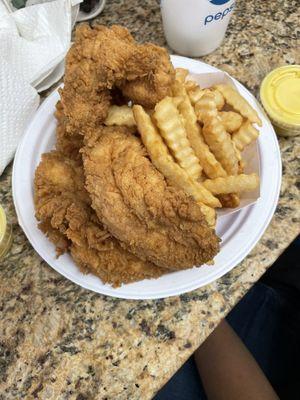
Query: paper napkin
x=18, y=102
x=33, y=42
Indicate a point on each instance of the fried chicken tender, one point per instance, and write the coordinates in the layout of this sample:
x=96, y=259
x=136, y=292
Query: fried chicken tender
x=61, y=242
x=64, y=214
x=152, y=220
x=68, y=140
x=104, y=58
x=149, y=75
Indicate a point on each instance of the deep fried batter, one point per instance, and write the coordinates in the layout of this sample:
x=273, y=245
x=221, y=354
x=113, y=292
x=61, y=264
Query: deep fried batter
x=68, y=140
x=151, y=219
x=141, y=227
x=63, y=209
x=103, y=58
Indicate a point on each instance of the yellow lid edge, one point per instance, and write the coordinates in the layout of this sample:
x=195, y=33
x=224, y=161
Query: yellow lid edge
x=6, y=243
x=280, y=119
x=3, y=224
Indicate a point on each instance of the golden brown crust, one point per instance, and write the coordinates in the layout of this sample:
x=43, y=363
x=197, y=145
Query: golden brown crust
x=63, y=209
x=143, y=227
x=102, y=58
x=68, y=140
x=151, y=219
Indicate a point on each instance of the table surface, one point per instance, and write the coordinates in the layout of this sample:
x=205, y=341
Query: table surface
x=59, y=341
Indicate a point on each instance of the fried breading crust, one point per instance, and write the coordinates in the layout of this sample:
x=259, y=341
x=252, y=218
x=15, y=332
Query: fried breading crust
x=130, y=224
x=63, y=209
x=103, y=58
x=68, y=140
x=156, y=222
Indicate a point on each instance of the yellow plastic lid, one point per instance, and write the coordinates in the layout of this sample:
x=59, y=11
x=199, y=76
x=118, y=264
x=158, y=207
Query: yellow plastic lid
x=2, y=224
x=280, y=96
x=5, y=234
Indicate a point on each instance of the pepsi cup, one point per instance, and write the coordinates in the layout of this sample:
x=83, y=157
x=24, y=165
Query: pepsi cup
x=195, y=27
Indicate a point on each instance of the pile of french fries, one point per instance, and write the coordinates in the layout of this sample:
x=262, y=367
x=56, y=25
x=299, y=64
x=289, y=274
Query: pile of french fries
x=195, y=138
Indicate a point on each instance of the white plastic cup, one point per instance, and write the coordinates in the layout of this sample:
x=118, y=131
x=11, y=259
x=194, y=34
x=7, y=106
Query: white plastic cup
x=195, y=27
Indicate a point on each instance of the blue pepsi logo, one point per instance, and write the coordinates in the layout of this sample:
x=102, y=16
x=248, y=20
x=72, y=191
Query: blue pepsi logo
x=218, y=2
x=219, y=16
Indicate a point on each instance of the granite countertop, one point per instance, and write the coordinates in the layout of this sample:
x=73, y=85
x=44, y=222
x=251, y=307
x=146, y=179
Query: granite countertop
x=58, y=341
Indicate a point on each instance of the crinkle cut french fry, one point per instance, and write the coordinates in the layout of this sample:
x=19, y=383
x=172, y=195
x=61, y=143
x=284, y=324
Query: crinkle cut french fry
x=178, y=90
x=219, y=99
x=245, y=135
x=231, y=184
x=231, y=120
x=241, y=167
x=172, y=130
x=241, y=164
x=190, y=85
x=181, y=74
x=209, y=213
x=220, y=143
x=163, y=161
x=241, y=105
x=177, y=100
x=195, y=94
x=208, y=162
x=237, y=152
x=120, y=115
x=206, y=107
x=230, y=200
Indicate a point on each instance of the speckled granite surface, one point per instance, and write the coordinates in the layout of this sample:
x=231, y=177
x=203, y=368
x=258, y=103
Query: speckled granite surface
x=58, y=341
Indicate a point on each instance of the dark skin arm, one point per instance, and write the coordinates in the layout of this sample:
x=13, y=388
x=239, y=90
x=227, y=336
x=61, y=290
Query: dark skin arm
x=228, y=370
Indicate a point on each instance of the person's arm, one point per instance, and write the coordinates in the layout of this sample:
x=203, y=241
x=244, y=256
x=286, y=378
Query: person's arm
x=228, y=370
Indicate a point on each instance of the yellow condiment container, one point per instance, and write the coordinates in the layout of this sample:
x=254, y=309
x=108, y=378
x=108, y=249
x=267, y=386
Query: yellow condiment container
x=5, y=234
x=280, y=96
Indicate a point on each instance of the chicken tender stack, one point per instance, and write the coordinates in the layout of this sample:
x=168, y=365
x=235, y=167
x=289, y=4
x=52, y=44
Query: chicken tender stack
x=101, y=195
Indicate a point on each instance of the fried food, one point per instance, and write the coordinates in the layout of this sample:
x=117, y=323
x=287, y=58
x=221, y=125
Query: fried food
x=178, y=89
x=64, y=214
x=120, y=115
x=238, y=102
x=206, y=101
x=233, y=183
x=149, y=75
x=164, y=162
x=181, y=74
x=154, y=221
x=219, y=99
x=104, y=58
x=207, y=160
x=238, y=154
x=231, y=120
x=195, y=93
x=68, y=140
x=61, y=242
x=220, y=143
x=143, y=157
x=209, y=214
x=206, y=107
x=245, y=135
x=172, y=130
x=230, y=200
x=190, y=85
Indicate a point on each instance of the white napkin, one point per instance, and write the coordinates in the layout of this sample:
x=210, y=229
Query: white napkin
x=33, y=41
x=18, y=102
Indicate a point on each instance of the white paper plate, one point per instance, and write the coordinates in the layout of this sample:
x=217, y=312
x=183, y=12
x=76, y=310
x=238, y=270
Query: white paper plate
x=239, y=231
